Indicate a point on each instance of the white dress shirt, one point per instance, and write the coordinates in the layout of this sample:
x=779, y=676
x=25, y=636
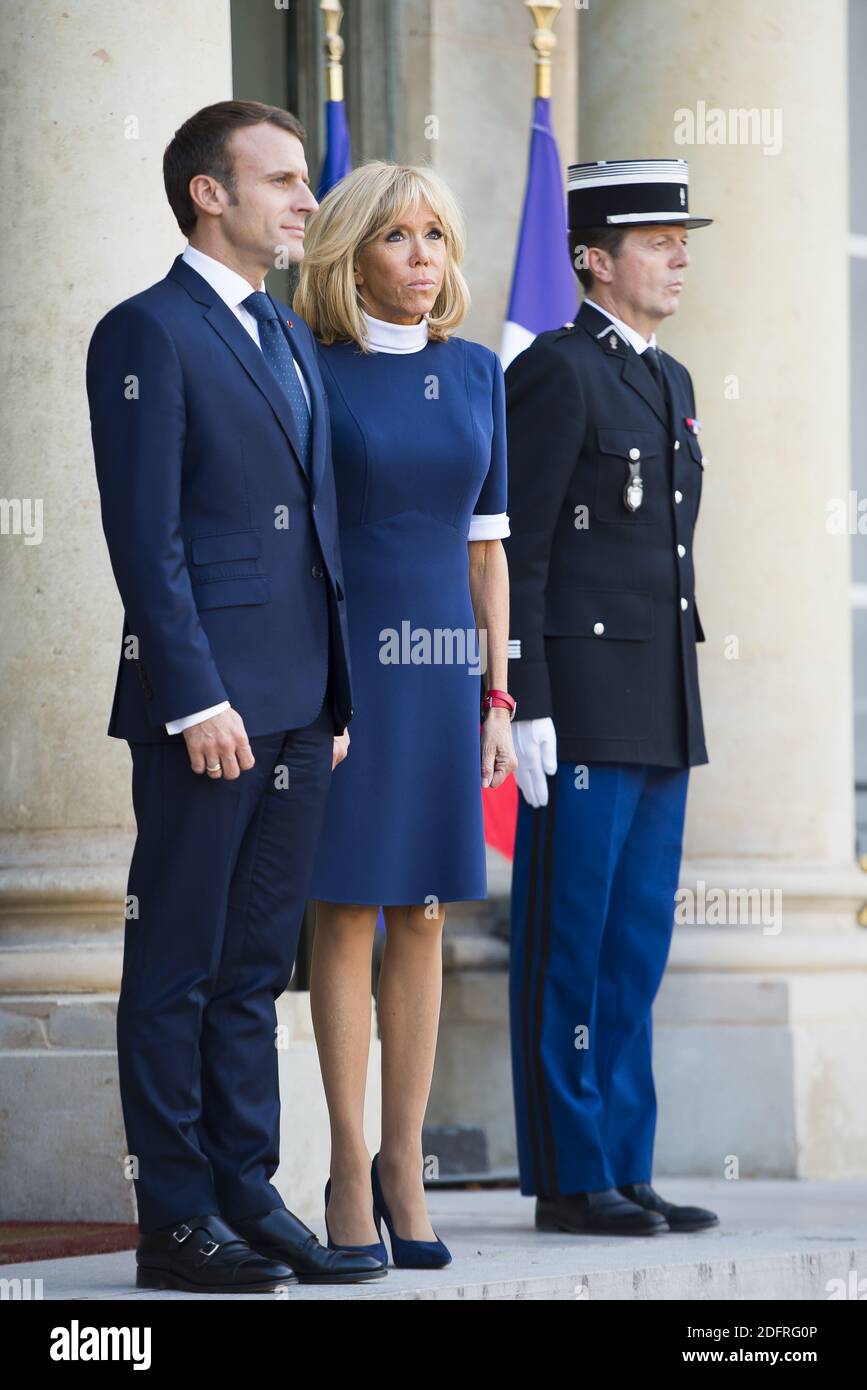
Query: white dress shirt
x=630, y=334
x=383, y=336
x=232, y=289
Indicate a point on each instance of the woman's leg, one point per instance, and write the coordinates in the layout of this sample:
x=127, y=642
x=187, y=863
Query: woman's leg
x=408, y=1008
x=341, y=1006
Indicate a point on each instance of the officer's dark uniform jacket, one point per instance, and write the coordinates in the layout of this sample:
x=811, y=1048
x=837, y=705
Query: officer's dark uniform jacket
x=603, y=625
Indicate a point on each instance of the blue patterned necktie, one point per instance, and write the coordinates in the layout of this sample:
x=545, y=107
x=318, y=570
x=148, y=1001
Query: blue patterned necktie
x=278, y=355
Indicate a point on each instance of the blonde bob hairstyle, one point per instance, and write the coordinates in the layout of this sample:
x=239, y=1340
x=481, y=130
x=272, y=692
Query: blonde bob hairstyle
x=365, y=203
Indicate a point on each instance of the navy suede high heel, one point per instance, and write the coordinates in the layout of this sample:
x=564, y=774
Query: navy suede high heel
x=378, y=1251
x=406, y=1254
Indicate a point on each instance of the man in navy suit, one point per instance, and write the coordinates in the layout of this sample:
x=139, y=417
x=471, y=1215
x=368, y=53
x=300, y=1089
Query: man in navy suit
x=212, y=450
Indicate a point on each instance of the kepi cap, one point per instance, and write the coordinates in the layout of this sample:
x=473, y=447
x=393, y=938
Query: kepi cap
x=630, y=193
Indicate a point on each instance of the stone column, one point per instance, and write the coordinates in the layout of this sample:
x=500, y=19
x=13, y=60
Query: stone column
x=761, y=1024
x=92, y=92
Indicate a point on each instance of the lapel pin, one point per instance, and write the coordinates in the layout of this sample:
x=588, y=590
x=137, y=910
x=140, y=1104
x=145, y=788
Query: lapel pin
x=693, y=425
x=612, y=342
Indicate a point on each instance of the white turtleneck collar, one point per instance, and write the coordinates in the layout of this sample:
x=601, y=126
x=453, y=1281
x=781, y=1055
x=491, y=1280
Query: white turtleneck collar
x=383, y=336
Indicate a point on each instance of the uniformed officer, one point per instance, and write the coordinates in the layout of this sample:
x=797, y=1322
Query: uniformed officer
x=605, y=475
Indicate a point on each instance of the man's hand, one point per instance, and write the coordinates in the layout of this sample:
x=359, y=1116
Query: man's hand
x=341, y=748
x=536, y=744
x=219, y=746
x=498, y=755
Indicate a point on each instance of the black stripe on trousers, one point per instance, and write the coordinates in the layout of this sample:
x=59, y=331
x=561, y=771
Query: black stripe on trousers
x=539, y=1114
x=529, y=957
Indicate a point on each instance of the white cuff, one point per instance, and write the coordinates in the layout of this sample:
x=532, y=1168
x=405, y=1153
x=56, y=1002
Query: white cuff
x=493, y=527
x=177, y=726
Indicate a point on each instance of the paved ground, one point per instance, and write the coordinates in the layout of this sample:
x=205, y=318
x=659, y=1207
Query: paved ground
x=777, y=1240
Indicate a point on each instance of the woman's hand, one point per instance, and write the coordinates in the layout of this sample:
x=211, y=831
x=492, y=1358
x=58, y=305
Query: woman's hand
x=341, y=748
x=498, y=752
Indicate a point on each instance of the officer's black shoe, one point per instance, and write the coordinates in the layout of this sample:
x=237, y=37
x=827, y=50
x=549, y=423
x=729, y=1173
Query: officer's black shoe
x=605, y=1213
x=279, y=1235
x=678, y=1218
x=205, y=1255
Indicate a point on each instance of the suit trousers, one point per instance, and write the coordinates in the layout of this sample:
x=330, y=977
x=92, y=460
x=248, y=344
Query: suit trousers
x=216, y=895
x=594, y=880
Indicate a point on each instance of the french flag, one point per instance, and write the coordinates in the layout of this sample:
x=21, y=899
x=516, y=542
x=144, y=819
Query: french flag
x=544, y=289
x=544, y=295
x=338, y=148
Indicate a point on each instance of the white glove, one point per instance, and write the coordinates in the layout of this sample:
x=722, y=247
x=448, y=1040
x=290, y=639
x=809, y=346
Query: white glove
x=536, y=748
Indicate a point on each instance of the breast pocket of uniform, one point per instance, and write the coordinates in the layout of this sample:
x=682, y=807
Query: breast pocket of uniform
x=695, y=449
x=690, y=480
x=225, y=571
x=629, y=469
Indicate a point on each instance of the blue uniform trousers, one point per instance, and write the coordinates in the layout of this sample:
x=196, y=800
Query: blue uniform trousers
x=595, y=874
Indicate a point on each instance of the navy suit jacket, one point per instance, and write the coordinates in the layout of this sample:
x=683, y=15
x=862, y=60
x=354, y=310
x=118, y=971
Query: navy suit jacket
x=225, y=552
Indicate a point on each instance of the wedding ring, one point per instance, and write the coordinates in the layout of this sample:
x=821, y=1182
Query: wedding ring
x=218, y=767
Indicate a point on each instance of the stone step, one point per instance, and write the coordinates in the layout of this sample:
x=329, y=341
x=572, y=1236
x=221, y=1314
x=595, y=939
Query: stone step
x=777, y=1241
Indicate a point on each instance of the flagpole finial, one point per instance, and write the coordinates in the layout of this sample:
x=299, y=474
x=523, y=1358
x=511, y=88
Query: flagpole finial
x=543, y=42
x=332, y=14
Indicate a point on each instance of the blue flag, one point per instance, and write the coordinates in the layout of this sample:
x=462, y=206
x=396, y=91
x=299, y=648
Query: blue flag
x=544, y=288
x=338, y=148
x=544, y=295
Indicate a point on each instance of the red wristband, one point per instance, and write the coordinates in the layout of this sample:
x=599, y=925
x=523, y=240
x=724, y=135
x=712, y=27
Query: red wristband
x=500, y=698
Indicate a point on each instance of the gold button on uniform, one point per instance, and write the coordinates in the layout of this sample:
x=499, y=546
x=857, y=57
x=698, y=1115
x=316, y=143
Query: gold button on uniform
x=684, y=603
x=681, y=550
x=599, y=628
x=635, y=453
x=678, y=496
x=677, y=444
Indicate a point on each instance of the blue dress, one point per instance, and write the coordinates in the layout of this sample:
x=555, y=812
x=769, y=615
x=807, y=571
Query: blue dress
x=419, y=446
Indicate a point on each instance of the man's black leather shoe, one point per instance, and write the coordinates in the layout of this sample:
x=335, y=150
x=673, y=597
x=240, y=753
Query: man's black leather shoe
x=605, y=1213
x=279, y=1235
x=205, y=1255
x=678, y=1218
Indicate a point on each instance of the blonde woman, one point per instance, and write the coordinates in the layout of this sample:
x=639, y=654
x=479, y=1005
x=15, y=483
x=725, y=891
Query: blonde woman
x=418, y=439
